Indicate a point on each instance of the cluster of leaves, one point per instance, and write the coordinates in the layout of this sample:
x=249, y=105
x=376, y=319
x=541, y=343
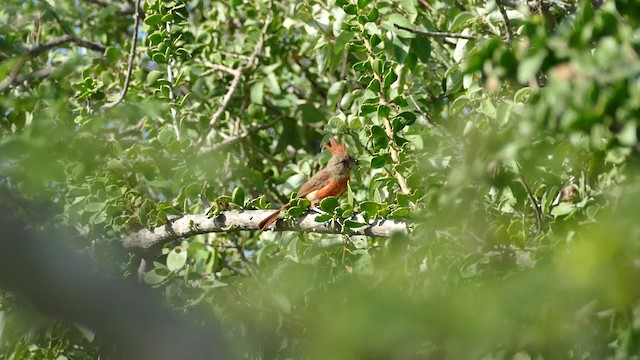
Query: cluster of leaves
x=505, y=131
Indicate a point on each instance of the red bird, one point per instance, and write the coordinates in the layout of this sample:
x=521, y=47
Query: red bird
x=330, y=181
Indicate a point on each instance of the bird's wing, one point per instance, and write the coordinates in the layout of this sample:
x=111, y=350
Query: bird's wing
x=316, y=182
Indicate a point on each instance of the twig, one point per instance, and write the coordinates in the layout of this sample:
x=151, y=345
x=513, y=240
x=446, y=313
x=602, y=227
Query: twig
x=233, y=54
x=234, y=139
x=132, y=53
x=424, y=114
x=238, y=72
x=402, y=182
x=148, y=241
x=216, y=67
x=442, y=34
x=532, y=198
x=82, y=42
x=394, y=156
x=249, y=265
x=505, y=18
x=172, y=96
x=13, y=73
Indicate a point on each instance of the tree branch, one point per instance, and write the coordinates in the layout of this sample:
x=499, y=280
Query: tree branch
x=234, y=139
x=505, y=18
x=237, y=73
x=148, y=241
x=172, y=96
x=132, y=53
x=442, y=34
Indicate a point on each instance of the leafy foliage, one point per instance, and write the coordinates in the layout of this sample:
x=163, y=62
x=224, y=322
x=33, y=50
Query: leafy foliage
x=505, y=133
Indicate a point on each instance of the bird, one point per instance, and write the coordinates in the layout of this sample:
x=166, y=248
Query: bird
x=330, y=181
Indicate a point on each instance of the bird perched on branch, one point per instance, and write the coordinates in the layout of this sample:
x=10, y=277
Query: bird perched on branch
x=330, y=181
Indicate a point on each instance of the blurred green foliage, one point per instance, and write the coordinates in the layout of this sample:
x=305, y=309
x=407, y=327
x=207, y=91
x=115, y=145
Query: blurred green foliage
x=514, y=162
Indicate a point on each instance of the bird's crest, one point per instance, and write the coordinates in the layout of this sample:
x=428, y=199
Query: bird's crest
x=336, y=148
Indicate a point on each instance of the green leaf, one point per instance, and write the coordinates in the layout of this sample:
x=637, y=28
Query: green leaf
x=153, y=20
x=369, y=207
x=93, y=207
x=342, y=40
x=563, y=208
x=257, y=93
x=353, y=224
x=329, y=204
x=421, y=46
x=296, y=211
x=166, y=135
x=400, y=213
x=323, y=218
x=392, y=19
x=372, y=16
x=350, y=9
x=530, y=66
x=378, y=161
x=238, y=196
x=176, y=259
x=154, y=277
x=153, y=76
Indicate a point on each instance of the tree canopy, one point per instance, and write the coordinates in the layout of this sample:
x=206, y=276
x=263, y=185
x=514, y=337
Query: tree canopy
x=491, y=214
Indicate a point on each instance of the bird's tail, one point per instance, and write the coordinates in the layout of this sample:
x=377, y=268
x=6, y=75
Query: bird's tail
x=271, y=218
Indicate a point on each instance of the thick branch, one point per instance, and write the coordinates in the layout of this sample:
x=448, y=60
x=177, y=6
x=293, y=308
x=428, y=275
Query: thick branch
x=147, y=241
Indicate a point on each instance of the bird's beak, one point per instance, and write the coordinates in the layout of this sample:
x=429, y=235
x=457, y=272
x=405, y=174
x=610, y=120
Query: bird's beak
x=353, y=162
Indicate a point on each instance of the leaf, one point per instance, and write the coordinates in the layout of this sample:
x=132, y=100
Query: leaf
x=93, y=207
x=369, y=207
x=353, y=224
x=530, y=66
x=153, y=20
x=166, y=135
x=563, y=208
x=395, y=18
x=296, y=211
x=329, y=204
x=257, y=93
x=350, y=9
x=176, y=259
x=153, y=76
x=378, y=162
x=421, y=46
x=323, y=218
x=342, y=40
x=154, y=277
x=238, y=196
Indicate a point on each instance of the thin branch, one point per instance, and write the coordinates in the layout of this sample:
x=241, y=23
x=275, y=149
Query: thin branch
x=233, y=54
x=132, y=53
x=148, y=241
x=213, y=68
x=172, y=96
x=394, y=156
x=234, y=139
x=124, y=8
x=13, y=73
x=402, y=182
x=505, y=18
x=442, y=34
x=534, y=203
x=82, y=42
x=238, y=73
